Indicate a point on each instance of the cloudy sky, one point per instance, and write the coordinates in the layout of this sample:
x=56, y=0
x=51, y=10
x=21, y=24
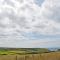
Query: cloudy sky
x=30, y=23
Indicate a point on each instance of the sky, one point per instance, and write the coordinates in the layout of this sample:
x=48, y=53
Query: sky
x=30, y=23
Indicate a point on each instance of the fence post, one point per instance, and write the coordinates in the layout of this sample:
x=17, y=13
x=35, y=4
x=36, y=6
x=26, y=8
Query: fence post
x=16, y=57
x=32, y=56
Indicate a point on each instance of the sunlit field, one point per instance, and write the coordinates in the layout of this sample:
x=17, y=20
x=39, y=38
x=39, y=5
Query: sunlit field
x=44, y=56
x=28, y=54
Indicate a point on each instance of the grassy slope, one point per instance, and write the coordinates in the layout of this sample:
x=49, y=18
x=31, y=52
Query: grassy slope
x=43, y=56
x=28, y=54
x=7, y=51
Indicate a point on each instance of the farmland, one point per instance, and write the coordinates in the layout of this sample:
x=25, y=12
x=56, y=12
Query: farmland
x=22, y=51
x=28, y=54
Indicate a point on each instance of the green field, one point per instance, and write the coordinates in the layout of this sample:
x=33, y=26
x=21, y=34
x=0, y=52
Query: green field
x=22, y=51
x=43, y=56
x=28, y=54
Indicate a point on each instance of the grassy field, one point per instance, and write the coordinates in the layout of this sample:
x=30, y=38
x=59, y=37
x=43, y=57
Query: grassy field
x=28, y=54
x=43, y=56
x=22, y=51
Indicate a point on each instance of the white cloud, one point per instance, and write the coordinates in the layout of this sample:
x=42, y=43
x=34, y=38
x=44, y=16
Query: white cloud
x=19, y=16
x=29, y=44
x=31, y=17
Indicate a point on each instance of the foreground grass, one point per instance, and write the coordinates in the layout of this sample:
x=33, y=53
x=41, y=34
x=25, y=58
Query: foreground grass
x=43, y=56
x=28, y=54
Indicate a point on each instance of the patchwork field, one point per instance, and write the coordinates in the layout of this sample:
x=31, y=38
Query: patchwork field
x=44, y=56
x=28, y=54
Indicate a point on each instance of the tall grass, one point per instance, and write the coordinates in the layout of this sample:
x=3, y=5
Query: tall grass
x=43, y=56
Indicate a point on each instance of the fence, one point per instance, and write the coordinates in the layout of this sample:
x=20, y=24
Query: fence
x=47, y=56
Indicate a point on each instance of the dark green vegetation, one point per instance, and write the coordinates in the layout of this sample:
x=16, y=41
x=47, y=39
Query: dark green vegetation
x=29, y=54
x=21, y=51
x=24, y=51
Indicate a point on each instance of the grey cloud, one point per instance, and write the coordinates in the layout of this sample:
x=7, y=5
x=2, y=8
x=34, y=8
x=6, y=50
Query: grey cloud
x=9, y=2
x=21, y=1
x=30, y=19
x=27, y=18
x=52, y=10
x=14, y=18
x=39, y=26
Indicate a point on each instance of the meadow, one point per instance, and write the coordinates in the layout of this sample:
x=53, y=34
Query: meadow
x=28, y=54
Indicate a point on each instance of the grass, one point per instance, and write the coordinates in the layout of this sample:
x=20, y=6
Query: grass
x=28, y=54
x=22, y=51
x=43, y=56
